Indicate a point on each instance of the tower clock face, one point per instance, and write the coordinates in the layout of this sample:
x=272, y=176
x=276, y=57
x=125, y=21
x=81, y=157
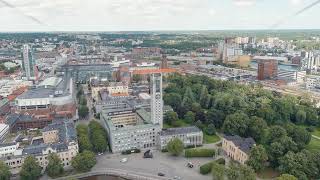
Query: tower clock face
x=157, y=96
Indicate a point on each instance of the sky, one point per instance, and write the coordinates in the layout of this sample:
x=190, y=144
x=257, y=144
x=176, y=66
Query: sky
x=148, y=15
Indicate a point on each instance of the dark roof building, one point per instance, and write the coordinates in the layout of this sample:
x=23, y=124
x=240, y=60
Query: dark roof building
x=244, y=144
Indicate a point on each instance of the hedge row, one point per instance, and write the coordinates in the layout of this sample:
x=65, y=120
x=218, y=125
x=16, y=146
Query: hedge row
x=206, y=168
x=199, y=153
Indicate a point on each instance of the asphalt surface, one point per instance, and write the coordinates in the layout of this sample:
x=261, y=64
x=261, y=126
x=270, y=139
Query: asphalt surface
x=161, y=162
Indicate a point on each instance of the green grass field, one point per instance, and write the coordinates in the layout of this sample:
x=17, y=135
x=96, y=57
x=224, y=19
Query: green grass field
x=314, y=145
x=210, y=139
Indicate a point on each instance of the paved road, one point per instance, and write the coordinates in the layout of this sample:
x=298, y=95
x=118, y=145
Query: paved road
x=316, y=137
x=162, y=162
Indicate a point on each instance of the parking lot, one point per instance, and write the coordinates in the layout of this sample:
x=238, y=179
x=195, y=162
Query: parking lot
x=160, y=163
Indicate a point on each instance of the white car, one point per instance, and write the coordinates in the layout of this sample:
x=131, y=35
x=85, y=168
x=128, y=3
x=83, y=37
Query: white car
x=124, y=160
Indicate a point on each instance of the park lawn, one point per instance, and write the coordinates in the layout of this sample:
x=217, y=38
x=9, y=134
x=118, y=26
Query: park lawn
x=268, y=173
x=314, y=145
x=208, y=139
x=316, y=132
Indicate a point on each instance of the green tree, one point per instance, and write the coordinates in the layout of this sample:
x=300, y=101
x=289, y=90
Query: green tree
x=258, y=158
x=301, y=116
x=137, y=77
x=286, y=177
x=83, y=100
x=218, y=171
x=257, y=128
x=83, y=111
x=275, y=133
x=170, y=117
x=30, y=169
x=204, y=97
x=83, y=138
x=190, y=117
x=236, y=124
x=210, y=130
x=4, y=171
x=174, y=100
x=98, y=137
x=240, y=172
x=175, y=146
x=216, y=117
x=84, y=161
x=55, y=166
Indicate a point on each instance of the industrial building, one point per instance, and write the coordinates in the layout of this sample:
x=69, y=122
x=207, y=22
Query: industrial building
x=50, y=99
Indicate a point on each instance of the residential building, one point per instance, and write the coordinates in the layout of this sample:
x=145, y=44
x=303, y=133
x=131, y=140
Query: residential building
x=20, y=122
x=8, y=149
x=237, y=148
x=190, y=136
x=59, y=137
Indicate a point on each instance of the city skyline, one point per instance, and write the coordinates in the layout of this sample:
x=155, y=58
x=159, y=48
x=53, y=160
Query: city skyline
x=125, y=15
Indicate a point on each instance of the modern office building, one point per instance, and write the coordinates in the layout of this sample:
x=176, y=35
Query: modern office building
x=128, y=128
x=237, y=148
x=190, y=136
x=59, y=137
x=29, y=64
x=156, y=99
x=312, y=82
x=4, y=130
x=298, y=76
x=267, y=69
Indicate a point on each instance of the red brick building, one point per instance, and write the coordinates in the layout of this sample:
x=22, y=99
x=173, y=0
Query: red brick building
x=267, y=69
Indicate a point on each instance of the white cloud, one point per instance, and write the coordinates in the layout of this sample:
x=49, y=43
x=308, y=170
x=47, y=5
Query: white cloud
x=244, y=2
x=295, y=2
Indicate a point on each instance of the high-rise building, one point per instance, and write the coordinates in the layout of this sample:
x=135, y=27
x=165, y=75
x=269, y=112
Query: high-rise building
x=164, y=62
x=28, y=63
x=156, y=99
x=267, y=69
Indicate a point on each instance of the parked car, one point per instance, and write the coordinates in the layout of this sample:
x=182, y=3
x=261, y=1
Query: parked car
x=161, y=174
x=124, y=160
x=148, y=154
x=190, y=165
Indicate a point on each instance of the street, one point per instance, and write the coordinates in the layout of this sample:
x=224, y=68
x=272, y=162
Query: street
x=161, y=162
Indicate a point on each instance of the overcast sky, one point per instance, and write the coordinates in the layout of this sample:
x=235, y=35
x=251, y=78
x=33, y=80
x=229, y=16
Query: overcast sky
x=129, y=15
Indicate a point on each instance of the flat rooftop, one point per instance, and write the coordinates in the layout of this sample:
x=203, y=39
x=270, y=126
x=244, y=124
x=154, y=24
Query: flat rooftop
x=182, y=130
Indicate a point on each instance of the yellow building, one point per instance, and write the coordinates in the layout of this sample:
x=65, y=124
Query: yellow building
x=237, y=148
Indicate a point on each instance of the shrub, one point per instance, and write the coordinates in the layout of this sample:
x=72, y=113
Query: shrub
x=206, y=168
x=164, y=150
x=221, y=161
x=310, y=129
x=126, y=152
x=199, y=152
